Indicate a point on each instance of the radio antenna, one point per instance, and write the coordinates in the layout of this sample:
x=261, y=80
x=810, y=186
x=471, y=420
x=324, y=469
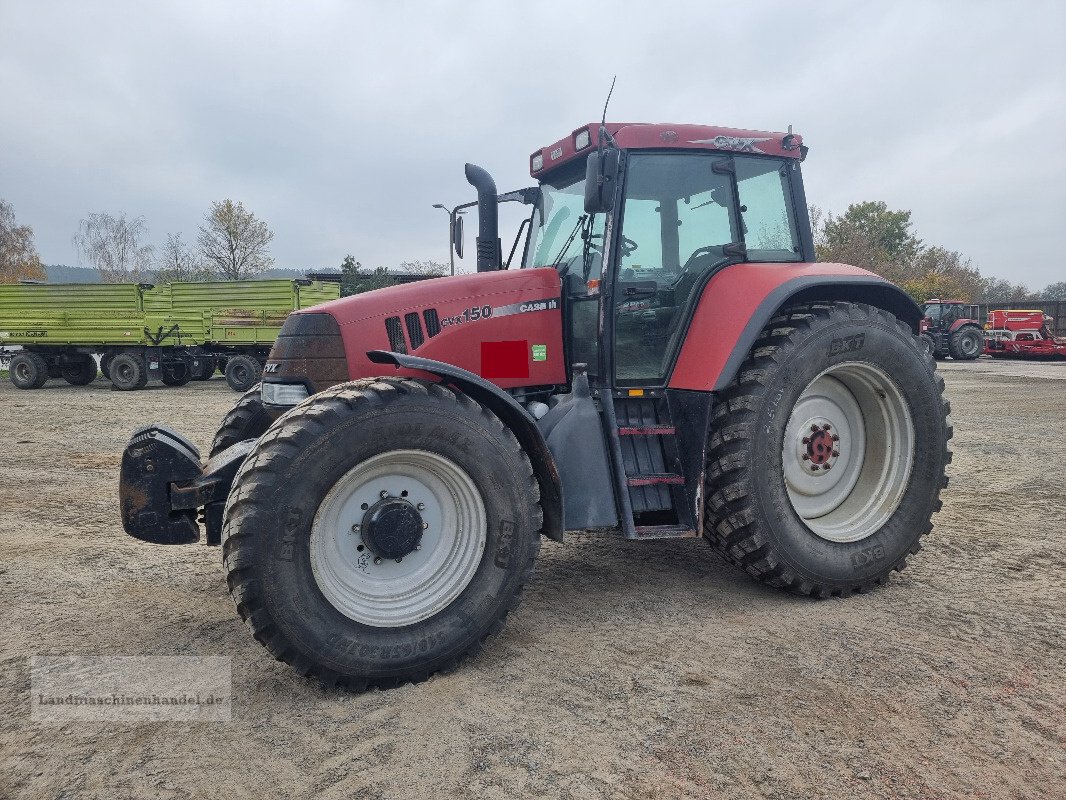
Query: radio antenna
x=603, y=120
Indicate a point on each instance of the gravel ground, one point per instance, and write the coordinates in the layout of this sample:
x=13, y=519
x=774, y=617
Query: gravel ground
x=631, y=670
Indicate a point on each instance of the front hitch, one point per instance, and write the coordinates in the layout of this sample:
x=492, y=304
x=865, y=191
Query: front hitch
x=162, y=483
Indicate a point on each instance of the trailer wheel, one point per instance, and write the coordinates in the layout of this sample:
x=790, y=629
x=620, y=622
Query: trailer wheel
x=28, y=370
x=177, y=372
x=247, y=419
x=128, y=372
x=828, y=451
x=243, y=372
x=380, y=532
x=105, y=364
x=966, y=343
x=81, y=372
x=205, y=369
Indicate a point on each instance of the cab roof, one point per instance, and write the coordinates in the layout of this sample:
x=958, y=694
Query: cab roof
x=658, y=136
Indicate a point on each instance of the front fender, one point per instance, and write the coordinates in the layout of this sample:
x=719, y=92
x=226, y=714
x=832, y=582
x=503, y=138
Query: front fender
x=513, y=415
x=737, y=303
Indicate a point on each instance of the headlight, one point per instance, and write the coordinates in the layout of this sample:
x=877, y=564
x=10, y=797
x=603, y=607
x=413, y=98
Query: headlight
x=537, y=162
x=283, y=394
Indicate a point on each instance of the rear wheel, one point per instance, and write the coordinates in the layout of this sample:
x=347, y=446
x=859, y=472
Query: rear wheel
x=243, y=372
x=105, y=364
x=128, y=372
x=28, y=370
x=966, y=343
x=79, y=372
x=380, y=531
x=828, y=451
x=248, y=419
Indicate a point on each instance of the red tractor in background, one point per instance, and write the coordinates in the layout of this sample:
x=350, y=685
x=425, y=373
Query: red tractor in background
x=663, y=359
x=951, y=328
x=1018, y=333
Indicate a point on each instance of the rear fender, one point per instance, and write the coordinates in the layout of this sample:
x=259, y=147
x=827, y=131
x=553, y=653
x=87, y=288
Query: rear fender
x=513, y=415
x=739, y=301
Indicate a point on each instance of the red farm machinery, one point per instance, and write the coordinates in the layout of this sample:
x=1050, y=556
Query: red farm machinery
x=1021, y=333
x=951, y=328
x=661, y=357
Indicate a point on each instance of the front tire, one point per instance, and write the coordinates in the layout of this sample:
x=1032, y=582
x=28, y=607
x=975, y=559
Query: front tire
x=380, y=531
x=828, y=451
x=248, y=419
x=28, y=370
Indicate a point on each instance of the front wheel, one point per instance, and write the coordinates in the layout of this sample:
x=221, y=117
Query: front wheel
x=380, y=531
x=828, y=451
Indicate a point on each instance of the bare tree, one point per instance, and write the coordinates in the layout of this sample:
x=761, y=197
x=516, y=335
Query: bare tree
x=18, y=254
x=178, y=262
x=423, y=267
x=114, y=245
x=234, y=241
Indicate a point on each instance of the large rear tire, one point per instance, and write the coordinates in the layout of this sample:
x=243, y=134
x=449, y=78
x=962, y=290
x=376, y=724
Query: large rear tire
x=28, y=370
x=243, y=372
x=828, y=451
x=380, y=531
x=966, y=343
x=248, y=419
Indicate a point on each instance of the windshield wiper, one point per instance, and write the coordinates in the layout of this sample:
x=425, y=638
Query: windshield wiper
x=566, y=246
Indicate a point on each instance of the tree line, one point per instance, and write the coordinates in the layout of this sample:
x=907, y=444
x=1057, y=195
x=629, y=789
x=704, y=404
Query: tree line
x=883, y=240
x=231, y=244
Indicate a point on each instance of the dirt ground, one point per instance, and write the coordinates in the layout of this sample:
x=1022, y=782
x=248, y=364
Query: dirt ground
x=631, y=670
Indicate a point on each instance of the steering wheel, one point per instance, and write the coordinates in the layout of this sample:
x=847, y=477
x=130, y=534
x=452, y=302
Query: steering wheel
x=628, y=246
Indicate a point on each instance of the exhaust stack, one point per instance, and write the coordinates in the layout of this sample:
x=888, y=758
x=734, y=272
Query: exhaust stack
x=489, y=255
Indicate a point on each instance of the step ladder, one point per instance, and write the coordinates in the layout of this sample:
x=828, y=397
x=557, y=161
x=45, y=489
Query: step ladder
x=645, y=462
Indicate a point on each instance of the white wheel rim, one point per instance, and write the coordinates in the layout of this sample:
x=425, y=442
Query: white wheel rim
x=390, y=593
x=969, y=344
x=846, y=488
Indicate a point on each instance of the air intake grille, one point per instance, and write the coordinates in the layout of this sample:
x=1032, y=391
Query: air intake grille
x=414, y=330
x=432, y=322
x=394, y=329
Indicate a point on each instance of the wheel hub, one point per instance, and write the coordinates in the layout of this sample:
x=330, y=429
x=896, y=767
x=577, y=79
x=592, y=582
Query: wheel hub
x=820, y=447
x=392, y=528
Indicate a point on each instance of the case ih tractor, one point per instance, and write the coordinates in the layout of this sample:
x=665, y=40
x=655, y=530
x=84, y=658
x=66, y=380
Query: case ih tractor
x=950, y=328
x=661, y=360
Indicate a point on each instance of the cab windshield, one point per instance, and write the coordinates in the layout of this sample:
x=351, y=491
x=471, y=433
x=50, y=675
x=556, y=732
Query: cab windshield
x=560, y=227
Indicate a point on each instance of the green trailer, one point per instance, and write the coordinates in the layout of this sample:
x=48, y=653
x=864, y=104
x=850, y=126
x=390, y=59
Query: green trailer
x=174, y=332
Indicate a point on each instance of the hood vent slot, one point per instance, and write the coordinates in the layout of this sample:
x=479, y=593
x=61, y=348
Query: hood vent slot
x=414, y=329
x=395, y=331
x=432, y=322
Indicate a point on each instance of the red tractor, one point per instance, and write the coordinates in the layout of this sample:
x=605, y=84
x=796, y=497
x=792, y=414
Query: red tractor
x=950, y=328
x=662, y=359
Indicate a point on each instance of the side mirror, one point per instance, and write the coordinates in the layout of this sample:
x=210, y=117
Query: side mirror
x=601, y=173
x=457, y=236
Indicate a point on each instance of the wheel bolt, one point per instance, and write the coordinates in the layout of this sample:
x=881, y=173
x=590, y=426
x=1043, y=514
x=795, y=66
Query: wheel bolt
x=826, y=427
x=836, y=454
x=814, y=467
x=377, y=560
x=805, y=456
x=355, y=529
x=384, y=494
x=806, y=440
x=399, y=559
x=421, y=506
x=827, y=467
x=814, y=429
x=418, y=547
x=425, y=526
x=836, y=438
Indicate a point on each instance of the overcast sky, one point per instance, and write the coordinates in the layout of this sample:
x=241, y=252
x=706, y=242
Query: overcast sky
x=341, y=123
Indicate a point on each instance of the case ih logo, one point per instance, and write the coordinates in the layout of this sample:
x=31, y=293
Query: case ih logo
x=738, y=143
